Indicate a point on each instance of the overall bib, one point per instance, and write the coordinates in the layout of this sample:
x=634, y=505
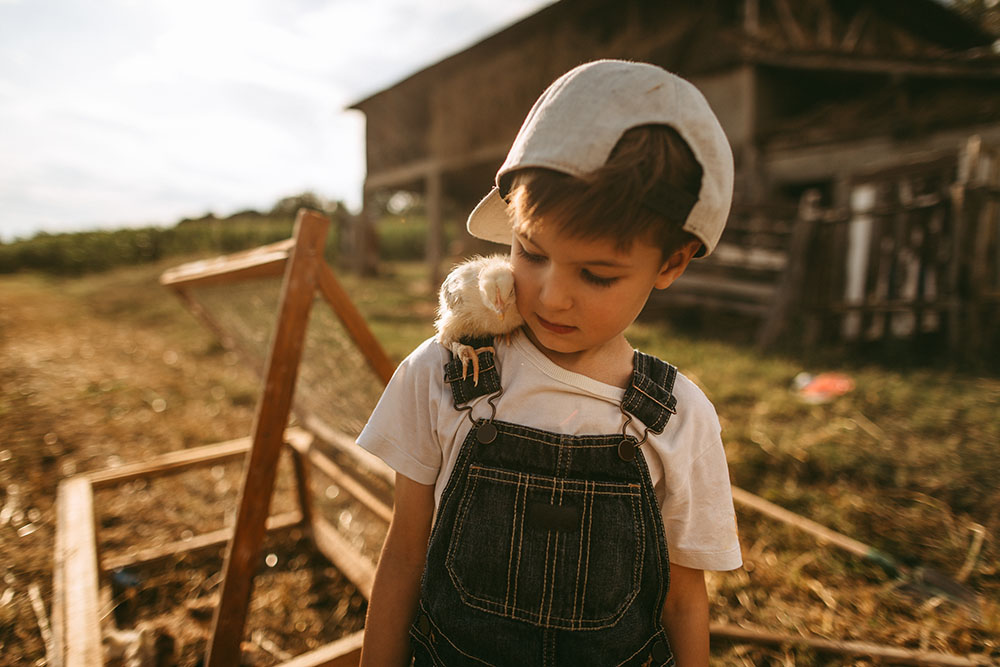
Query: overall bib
x=548, y=549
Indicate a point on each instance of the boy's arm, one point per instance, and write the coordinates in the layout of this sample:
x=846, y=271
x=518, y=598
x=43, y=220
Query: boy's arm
x=685, y=616
x=396, y=589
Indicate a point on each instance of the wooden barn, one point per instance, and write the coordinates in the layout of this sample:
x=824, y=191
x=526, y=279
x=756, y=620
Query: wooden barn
x=817, y=96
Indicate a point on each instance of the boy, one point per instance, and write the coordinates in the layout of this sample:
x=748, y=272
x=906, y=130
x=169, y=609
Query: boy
x=535, y=510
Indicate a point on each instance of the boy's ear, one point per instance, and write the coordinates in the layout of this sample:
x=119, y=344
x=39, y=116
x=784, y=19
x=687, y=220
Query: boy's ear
x=674, y=265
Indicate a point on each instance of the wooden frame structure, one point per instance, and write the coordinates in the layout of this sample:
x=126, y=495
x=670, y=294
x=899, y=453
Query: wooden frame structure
x=79, y=567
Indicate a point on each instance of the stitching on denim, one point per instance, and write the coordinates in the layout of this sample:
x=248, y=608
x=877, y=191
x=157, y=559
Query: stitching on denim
x=501, y=476
x=555, y=557
x=444, y=636
x=520, y=542
x=518, y=612
x=585, y=549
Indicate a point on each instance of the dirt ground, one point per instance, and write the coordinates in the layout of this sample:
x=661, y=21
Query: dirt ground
x=116, y=373
x=110, y=369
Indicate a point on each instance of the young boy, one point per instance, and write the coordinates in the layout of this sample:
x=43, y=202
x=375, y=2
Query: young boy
x=562, y=510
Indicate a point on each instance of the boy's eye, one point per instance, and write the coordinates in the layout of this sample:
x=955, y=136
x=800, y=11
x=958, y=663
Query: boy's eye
x=528, y=256
x=600, y=281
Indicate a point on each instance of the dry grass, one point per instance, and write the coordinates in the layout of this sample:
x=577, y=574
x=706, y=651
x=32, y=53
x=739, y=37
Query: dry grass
x=110, y=369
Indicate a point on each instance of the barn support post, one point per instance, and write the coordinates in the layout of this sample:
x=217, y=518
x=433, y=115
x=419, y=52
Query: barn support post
x=364, y=238
x=435, y=226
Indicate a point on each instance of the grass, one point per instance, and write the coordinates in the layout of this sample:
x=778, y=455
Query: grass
x=905, y=462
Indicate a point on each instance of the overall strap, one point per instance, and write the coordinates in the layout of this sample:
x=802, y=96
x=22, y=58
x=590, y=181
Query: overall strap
x=649, y=396
x=463, y=391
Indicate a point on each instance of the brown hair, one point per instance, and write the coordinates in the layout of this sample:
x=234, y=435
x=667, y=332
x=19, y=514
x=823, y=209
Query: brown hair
x=609, y=202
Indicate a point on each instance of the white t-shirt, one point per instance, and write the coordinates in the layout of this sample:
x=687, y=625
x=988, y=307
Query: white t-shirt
x=417, y=431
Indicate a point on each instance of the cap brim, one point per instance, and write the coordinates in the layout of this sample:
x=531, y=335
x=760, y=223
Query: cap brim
x=490, y=220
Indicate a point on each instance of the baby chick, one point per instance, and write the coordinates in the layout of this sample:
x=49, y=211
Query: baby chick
x=476, y=299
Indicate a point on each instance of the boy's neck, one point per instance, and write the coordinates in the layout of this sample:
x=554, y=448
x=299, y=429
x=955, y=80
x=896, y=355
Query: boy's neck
x=611, y=363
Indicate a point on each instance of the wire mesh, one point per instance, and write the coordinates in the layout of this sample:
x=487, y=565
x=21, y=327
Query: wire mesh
x=335, y=384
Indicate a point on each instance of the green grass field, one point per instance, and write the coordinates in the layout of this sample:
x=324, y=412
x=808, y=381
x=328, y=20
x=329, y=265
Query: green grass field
x=906, y=462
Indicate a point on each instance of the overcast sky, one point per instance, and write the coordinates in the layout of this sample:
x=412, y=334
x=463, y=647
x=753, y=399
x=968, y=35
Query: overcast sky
x=130, y=112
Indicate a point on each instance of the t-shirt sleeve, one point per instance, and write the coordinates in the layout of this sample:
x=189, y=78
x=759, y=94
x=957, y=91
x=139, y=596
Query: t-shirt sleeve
x=698, y=514
x=402, y=430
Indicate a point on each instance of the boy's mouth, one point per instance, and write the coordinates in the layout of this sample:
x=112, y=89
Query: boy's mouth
x=553, y=327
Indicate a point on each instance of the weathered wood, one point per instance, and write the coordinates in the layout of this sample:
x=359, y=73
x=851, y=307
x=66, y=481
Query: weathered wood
x=351, y=562
x=263, y=262
x=817, y=530
x=171, y=462
x=345, y=652
x=354, y=488
x=75, y=579
x=897, y=656
x=853, y=33
x=303, y=485
x=301, y=277
x=418, y=170
x=790, y=287
x=355, y=324
x=365, y=460
x=433, y=193
x=215, y=538
x=837, y=62
x=795, y=33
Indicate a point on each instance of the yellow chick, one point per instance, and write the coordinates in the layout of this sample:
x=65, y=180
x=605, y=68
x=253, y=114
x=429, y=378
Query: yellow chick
x=476, y=299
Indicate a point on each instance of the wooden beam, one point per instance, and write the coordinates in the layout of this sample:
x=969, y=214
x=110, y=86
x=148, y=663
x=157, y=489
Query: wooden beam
x=793, y=278
x=75, y=579
x=365, y=460
x=897, y=656
x=298, y=291
x=208, y=540
x=433, y=194
x=824, y=60
x=345, y=652
x=171, y=462
x=751, y=17
x=415, y=172
x=351, y=563
x=354, y=322
x=789, y=24
x=303, y=445
x=263, y=262
x=854, y=29
x=824, y=23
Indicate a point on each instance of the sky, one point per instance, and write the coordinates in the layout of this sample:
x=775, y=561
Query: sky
x=118, y=113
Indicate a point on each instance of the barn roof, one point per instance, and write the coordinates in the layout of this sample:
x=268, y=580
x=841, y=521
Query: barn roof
x=927, y=19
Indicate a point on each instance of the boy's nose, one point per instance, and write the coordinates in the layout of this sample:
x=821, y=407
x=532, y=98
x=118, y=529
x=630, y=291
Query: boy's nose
x=553, y=293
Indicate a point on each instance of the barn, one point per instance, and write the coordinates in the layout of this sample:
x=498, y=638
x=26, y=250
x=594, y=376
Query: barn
x=862, y=104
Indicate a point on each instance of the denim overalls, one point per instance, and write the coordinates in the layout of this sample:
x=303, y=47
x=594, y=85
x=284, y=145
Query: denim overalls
x=548, y=549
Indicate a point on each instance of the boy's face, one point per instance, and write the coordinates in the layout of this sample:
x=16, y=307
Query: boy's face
x=576, y=296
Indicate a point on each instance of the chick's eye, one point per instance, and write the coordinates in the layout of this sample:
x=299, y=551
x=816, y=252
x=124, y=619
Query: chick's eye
x=597, y=280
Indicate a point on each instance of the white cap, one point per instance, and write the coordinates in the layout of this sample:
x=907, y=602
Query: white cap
x=577, y=121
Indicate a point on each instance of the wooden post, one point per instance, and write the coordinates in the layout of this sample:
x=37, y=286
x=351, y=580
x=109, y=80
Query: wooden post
x=435, y=240
x=76, y=617
x=298, y=291
x=790, y=289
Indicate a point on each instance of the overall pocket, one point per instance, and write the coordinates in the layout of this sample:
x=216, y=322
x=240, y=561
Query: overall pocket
x=558, y=553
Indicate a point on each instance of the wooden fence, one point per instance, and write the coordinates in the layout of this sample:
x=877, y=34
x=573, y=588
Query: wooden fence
x=913, y=256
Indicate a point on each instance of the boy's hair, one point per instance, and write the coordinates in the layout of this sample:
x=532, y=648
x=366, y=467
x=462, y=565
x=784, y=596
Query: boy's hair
x=612, y=202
